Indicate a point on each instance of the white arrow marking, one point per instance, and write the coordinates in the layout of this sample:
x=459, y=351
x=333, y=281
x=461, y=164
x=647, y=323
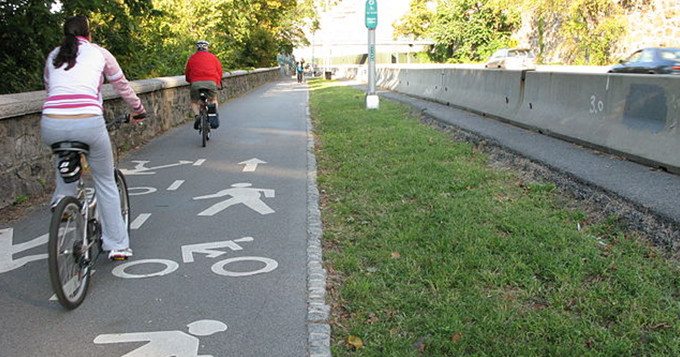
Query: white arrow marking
x=140, y=169
x=139, y=220
x=210, y=249
x=175, y=185
x=199, y=162
x=7, y=250
x=251, y=165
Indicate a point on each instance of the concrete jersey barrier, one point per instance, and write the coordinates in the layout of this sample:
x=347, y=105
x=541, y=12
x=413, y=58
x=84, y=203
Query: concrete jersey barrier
x=632, y=115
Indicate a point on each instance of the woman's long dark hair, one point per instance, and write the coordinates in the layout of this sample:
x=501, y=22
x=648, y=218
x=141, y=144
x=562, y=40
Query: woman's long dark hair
x=74, y=26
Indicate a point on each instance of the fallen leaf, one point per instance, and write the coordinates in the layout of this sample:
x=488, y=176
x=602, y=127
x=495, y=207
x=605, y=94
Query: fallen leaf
x=396, y=255
x=659, y=326
x=456, y=337
x=372, y=319
x=355, y=342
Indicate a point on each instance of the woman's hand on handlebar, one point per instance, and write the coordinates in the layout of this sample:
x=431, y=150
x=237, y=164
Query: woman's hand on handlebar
x=138, y=117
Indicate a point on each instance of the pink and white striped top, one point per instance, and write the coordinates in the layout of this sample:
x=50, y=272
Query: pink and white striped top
x=78, y=90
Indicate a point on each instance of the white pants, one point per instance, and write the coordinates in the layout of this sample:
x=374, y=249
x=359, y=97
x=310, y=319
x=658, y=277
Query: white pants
x=91, y=131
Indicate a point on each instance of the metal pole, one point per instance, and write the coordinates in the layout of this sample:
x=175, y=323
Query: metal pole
x=371, y=62
x=372, y=100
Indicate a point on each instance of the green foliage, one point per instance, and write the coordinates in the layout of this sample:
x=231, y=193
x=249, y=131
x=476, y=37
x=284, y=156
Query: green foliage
x=28, y=31
x=415, y=23
x=580, y=31
x=590, y=29
x=152, y=38
x=469, y=30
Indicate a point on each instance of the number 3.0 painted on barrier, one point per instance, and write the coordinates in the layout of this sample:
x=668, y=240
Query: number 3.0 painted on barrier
x=596, y=106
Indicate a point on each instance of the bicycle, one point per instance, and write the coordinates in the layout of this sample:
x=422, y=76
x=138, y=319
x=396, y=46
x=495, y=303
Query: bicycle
x=204, y=117
x=75, y=240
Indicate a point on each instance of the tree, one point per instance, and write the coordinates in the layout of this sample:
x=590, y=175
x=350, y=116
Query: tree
x=415, y=23
x=28, y=31
x=151, y=37
x=469, y=30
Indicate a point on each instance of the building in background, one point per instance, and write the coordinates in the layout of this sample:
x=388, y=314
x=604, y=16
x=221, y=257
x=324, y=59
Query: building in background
x=343, y=37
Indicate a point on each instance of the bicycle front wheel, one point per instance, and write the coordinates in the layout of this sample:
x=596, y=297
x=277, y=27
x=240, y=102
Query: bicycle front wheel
x=124, y=198
x=68, y=258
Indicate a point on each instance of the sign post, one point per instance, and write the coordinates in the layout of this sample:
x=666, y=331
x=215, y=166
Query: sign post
x=372, y=100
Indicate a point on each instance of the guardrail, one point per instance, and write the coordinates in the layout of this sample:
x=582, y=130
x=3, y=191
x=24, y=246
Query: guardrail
x=635, y=116
x=26, y=166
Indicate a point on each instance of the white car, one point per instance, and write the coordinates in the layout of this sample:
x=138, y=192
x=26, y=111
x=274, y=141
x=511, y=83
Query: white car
x=512, y=58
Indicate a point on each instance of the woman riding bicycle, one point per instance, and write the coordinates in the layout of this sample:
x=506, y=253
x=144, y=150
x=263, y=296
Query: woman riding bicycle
x=73, y=111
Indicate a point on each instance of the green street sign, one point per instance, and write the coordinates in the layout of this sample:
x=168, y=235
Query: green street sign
x=371, y=14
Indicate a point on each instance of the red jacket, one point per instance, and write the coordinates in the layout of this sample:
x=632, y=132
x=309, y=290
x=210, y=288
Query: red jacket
x=203, y=66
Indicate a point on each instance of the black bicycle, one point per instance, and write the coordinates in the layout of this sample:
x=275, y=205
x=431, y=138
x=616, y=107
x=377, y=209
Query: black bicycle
x=75, y=240
x=204, y=120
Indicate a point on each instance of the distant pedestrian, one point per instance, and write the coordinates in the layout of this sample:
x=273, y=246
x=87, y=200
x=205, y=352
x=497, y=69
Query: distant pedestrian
x=300, y=71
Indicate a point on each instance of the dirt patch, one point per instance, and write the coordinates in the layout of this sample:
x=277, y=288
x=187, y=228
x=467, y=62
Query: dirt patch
x=17, y=211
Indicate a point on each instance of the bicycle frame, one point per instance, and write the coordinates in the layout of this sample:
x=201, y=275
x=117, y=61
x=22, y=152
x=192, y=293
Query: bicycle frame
x=71, y=252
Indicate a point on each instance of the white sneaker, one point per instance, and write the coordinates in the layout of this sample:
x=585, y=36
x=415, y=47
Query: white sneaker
x=121, y=254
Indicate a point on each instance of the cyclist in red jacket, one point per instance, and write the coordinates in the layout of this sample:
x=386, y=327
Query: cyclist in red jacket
x=204, y=72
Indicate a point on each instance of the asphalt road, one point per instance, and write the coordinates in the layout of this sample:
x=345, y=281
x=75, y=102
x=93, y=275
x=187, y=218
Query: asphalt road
x=220, y=241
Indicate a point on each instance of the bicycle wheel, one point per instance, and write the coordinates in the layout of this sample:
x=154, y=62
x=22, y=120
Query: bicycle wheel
x=124, y=198
x=205, y=126
x=67, y=260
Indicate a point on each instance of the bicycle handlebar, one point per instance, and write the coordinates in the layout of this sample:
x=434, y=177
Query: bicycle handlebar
x=125, y=118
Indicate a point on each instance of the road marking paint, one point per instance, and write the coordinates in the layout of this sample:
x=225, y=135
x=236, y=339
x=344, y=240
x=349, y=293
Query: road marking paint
x=175, y=185
x=54, y=296
x=199, y=162
x=139, y=191
x=219, y=267
x=7, y=249
x=210, y=249
x=140, y=220
x=170, y=266
x=251, y=165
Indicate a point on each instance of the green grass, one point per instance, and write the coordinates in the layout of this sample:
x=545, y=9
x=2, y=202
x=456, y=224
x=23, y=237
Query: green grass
x=432, y=252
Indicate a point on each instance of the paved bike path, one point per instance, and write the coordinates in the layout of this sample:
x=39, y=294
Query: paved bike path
x=220, y=239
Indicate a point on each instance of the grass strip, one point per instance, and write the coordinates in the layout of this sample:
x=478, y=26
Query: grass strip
x=430, y=251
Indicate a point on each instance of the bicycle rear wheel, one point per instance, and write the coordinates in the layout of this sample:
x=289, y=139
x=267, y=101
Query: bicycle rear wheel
x=68, y=261
x=205, y=126
x=124, y=198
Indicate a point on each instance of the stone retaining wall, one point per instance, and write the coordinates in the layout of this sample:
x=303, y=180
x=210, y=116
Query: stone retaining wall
x=26, y=164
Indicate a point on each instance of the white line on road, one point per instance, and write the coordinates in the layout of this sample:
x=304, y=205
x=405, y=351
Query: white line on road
x=175, y=185
x=199, y=162
x=140, y=220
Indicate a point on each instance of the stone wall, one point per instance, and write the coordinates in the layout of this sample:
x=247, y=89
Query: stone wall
x=26, y=164
x=657, y=25
x=653, y=23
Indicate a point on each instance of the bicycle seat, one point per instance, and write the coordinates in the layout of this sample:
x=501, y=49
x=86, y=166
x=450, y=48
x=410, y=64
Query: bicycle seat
x=203, y=93
x=76, y=146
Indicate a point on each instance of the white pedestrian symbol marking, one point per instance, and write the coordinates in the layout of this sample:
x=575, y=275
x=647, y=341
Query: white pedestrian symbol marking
x=7, y=250
x=166, y=343
x=240, y=193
